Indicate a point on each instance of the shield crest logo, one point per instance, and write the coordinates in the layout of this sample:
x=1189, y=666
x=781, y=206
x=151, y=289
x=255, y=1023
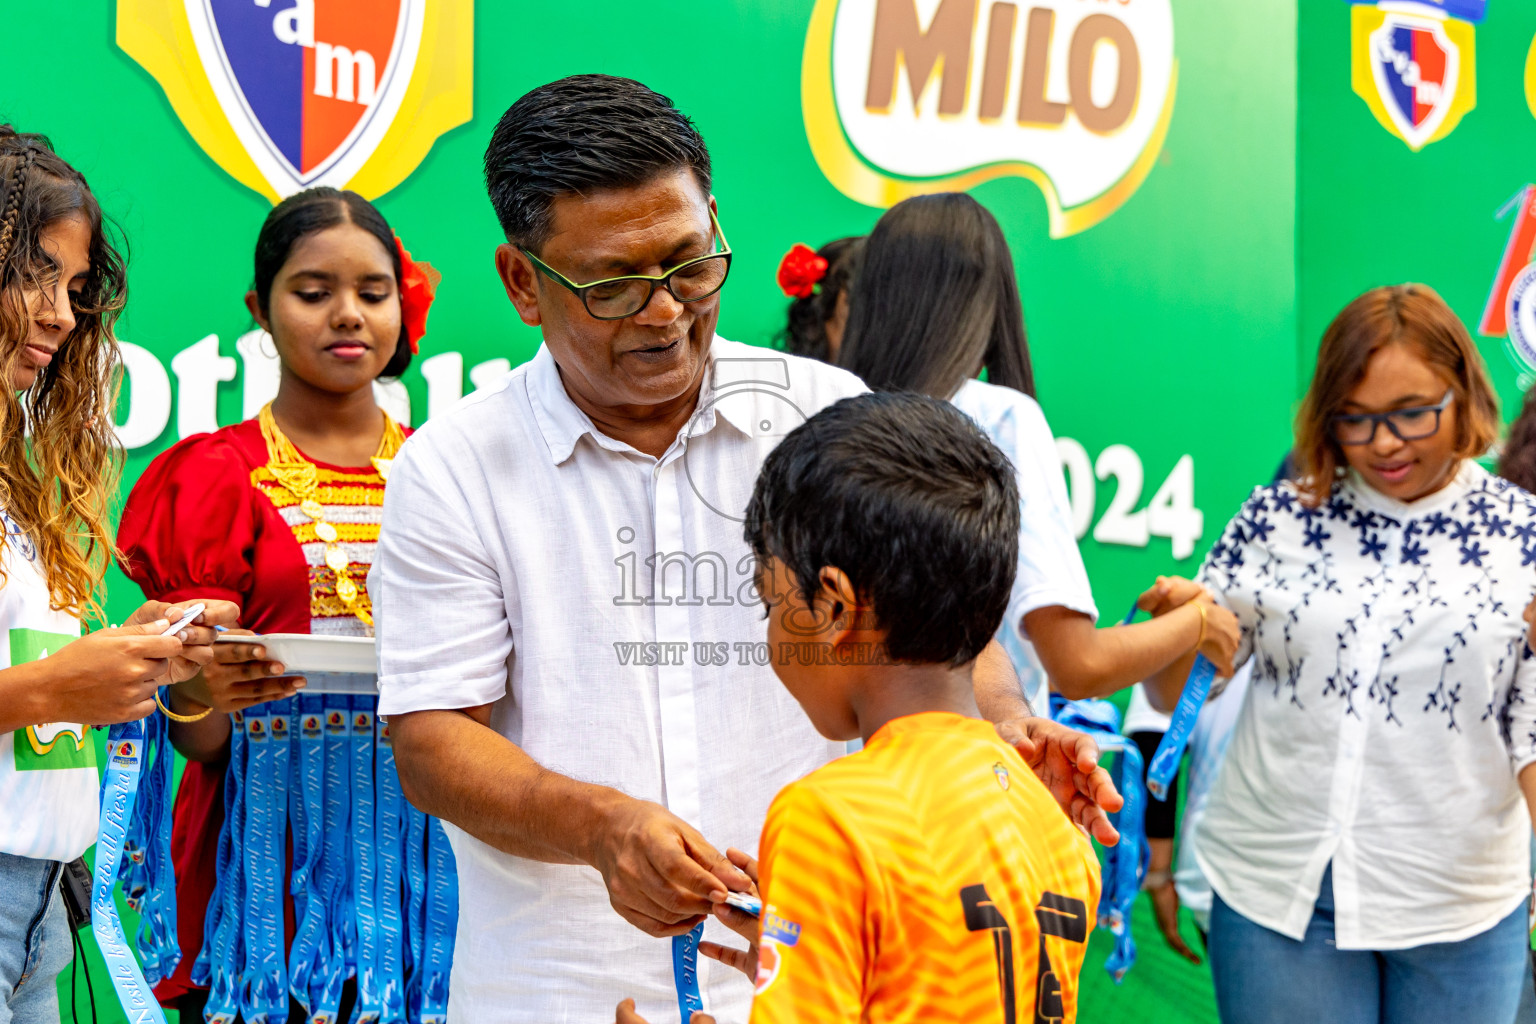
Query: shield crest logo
x=1415, y=72
x=1416, y=67
x=288, y=94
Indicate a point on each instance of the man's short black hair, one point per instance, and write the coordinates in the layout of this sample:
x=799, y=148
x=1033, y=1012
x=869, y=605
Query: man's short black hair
x=905, y=495
x=582, y=134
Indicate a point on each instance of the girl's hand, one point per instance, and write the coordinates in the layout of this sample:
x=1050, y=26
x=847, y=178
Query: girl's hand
x=240, y=676
x=1168, y=593
x=1222, y=635
x=108, y=676
x=738, y=921
x=196, y=639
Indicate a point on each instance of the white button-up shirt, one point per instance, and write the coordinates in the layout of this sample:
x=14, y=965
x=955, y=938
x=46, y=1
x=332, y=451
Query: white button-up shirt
x=1391, y=706
x=602, y=599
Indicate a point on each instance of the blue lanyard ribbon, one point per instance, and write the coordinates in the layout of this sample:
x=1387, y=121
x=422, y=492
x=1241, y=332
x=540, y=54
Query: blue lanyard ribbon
x=365, y=853
x=415, y=917
x=125, y=754
x=390, y=845
x=146, y=873
x=442, y=919
x=306, y=808
x=1170, y=749
x=1125, y=863
x=222, y=932
x=334, y=868
x=263, y=977
x=685, y=972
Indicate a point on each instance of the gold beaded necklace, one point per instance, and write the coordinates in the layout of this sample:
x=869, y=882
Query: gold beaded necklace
x=300, y=476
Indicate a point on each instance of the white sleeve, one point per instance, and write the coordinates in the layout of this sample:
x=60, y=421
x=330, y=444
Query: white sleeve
x=439, y=610
x=1051, y=570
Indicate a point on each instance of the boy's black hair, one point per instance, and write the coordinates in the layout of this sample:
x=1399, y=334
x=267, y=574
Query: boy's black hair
x=907, y=497
x=584, y=133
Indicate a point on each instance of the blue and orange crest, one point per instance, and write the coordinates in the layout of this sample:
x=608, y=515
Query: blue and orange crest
x=285, y=95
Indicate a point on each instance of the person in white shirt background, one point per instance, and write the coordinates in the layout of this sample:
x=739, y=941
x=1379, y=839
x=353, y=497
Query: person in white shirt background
x=567, y=625
x=935, y=303
x=62, y=285
x=1366, y=838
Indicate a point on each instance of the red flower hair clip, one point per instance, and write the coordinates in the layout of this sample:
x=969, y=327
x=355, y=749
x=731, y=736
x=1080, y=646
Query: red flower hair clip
x=800, y=271
x=418, y=286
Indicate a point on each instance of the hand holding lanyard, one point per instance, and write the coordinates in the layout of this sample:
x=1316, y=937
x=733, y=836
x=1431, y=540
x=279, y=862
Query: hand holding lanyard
x=1170, y=749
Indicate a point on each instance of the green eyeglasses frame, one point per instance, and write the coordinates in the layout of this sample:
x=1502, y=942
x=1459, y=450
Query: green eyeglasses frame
x=663, y=281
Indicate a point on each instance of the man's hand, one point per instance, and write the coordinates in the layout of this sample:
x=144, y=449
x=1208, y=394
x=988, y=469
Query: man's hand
x=627, y=1015
x=738, y=921
x=1068, y=763
x=240, y=676
x=662, y=876
x=196, y=639
x=1165, y=906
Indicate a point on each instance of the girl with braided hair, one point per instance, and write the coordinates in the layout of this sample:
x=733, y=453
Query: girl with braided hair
x=61, y=288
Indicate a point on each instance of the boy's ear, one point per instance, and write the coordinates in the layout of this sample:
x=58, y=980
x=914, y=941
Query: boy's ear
x=837, y=590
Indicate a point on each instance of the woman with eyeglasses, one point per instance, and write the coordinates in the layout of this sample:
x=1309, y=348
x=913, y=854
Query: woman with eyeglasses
x=1367, y=840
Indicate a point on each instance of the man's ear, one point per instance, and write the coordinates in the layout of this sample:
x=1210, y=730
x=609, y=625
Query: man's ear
x=520, y=280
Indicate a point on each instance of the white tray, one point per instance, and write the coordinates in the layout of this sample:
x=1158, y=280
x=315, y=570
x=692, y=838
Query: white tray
x=302, y=653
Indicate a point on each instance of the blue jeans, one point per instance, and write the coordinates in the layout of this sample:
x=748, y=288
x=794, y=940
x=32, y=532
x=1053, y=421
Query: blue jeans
x=1263, y=977
x=35, y=942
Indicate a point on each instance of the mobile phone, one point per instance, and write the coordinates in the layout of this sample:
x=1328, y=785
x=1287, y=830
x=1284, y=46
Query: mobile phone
x=186, y=620
x=745, y=903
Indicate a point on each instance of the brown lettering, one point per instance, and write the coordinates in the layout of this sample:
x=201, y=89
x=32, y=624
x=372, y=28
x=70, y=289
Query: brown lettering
x=994, y=82
x=945, y=47
x=1034, y=108
x=1096, y=29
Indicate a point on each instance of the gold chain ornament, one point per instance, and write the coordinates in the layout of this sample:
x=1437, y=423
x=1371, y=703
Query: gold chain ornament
x=293, y=471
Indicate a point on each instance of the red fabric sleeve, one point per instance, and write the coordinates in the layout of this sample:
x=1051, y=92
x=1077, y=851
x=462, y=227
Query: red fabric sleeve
x=189, y=526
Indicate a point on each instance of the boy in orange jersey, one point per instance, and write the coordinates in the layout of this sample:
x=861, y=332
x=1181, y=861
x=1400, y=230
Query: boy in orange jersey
x=930, y=877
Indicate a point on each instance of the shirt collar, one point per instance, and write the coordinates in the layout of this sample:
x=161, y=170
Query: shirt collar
x=563, y=424
x=1467, y=477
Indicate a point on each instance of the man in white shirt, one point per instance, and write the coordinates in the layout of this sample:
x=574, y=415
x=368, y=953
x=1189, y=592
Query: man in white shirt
x=568, y=628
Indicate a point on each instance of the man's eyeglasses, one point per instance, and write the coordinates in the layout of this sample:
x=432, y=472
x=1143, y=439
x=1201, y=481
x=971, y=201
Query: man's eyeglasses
x=615, y=298
x=1412, y=424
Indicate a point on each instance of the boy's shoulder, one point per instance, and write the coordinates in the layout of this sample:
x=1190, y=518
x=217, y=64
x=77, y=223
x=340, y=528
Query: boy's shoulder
x=907, y=763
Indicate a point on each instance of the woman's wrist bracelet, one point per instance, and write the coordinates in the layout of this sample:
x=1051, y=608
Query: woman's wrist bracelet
x=1200, y=605
x=173, y=716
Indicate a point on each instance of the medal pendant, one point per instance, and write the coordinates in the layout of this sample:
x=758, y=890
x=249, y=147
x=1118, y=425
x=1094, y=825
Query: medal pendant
x=336, y=559
x=312, y=508
x=346, y=589
x=382, y=467
x=326, y=532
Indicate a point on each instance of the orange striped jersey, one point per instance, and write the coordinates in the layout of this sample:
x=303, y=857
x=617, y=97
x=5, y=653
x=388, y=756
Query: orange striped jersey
x=929, y=877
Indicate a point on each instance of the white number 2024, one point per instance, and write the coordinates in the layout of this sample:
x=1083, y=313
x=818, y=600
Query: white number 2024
x=1171, y=513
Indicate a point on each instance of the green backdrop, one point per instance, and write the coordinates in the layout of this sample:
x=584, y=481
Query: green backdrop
x=1183, y=324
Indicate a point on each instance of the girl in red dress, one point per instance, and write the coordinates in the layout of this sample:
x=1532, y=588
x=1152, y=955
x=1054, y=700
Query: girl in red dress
x=279, y=513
